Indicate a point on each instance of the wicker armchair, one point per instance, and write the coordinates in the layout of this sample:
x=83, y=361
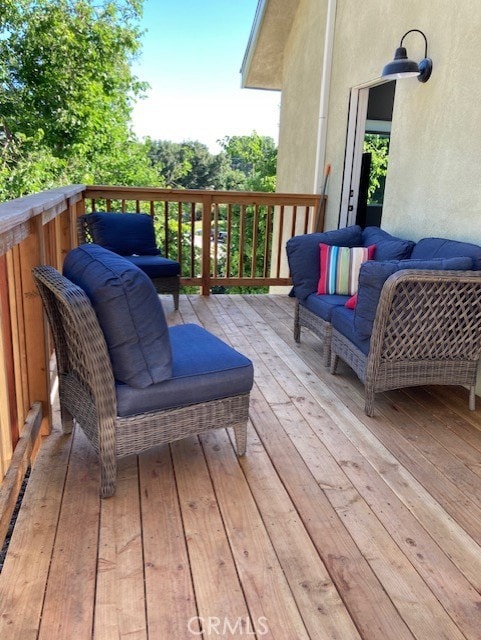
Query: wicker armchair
x=152, y=265
x=427, y=330
x=87, y=387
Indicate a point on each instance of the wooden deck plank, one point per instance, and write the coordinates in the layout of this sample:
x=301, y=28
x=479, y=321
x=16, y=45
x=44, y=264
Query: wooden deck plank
x=270, y=601
x=319, y=602
x=25, y=572
x=334, y=526
x=70, y=593
x=120, y=597
x=170, y=598
x=219, y=593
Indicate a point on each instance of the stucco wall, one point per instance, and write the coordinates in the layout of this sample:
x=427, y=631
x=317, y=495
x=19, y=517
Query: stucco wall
x=300, y=99
x=434, y=172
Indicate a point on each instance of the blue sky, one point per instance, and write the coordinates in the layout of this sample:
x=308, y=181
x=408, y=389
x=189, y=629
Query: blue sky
x=191, y=57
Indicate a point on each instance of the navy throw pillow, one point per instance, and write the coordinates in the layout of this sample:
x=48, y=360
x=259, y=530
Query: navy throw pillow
x=442, y=248
x=129, y=312
x=373, y=275
x=388, y=247
x=123, y=233
x=303, y=256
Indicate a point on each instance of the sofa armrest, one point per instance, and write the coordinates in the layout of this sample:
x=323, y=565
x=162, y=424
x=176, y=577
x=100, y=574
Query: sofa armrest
x=428, y=315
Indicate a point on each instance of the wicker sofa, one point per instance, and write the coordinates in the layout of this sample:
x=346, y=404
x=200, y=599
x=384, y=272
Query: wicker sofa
x=416, y=316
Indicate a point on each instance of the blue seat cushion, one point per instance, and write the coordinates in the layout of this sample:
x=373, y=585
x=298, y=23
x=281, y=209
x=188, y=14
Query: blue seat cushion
x=441, y=248
x=342, y=319
x=129, y=312
x=123, y=233
x=373, y=275
x=156, y=266
x=388, y=247
x=303, y=256
x=204, y=369
x=322, y=305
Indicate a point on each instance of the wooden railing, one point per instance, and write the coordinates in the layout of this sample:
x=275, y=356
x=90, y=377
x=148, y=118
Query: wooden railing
x=220, y=238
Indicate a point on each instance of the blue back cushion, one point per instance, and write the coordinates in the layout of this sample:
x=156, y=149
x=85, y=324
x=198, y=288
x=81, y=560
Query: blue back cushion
x=123, y=233
x=129, y=312
x=303, y=255
x=373, y=275
x=442, y=248
x=388, y=247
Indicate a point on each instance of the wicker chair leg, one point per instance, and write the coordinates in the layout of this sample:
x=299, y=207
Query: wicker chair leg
x=108, y=462
x=472, y=398
x=297, y=326
x=108, y=480
x=297, y=332
x=66, y=420
x=334, y=360
x=326, y=352
x=240, y=435
x=369, y=401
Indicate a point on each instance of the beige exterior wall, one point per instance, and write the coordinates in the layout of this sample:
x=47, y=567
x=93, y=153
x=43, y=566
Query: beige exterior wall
x=302, y=74
x=434, y=172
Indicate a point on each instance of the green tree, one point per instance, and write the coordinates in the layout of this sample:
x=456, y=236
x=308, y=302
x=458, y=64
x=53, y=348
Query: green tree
x=66, y=93
x=188, y=165
x=255, y=157
x=378, y=147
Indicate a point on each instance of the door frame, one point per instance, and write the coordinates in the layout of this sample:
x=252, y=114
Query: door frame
x=356, y=127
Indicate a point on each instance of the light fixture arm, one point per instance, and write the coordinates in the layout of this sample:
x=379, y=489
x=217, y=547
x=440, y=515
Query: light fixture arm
x=417, y=31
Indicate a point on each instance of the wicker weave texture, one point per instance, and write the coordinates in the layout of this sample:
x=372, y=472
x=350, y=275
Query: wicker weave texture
x=427, y=330
x=87, y=388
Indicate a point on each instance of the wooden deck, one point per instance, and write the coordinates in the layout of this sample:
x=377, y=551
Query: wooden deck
x=334, y=526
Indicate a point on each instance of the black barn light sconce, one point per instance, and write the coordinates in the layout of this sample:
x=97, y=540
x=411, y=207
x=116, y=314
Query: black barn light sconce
x=402, y=67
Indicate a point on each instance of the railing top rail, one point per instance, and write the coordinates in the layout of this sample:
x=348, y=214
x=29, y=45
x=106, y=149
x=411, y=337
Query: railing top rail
x=16, y=215
x=18, y=211
x=197, y=195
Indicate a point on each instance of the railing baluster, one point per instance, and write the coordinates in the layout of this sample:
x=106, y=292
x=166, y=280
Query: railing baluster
x=255, y=235
x=192, y=239
x=294, y=220
x=279, y=240
x=306, y=218
x=179, y=230
x=267, y=240
x=166, y=228
x=242, y=216
x=228, y=241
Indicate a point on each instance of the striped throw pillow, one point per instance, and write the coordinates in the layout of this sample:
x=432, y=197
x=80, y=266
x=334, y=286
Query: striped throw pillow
x=339, y=268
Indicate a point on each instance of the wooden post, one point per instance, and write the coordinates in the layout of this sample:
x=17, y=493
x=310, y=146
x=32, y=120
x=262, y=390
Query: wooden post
x=206, y=229
x=37, y=350
x=9, y=430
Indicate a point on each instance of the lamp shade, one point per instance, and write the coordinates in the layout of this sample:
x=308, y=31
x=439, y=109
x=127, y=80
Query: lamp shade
x=400, y=67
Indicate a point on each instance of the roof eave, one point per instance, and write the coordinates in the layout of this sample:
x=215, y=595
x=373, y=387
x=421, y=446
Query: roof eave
x=263, y=60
